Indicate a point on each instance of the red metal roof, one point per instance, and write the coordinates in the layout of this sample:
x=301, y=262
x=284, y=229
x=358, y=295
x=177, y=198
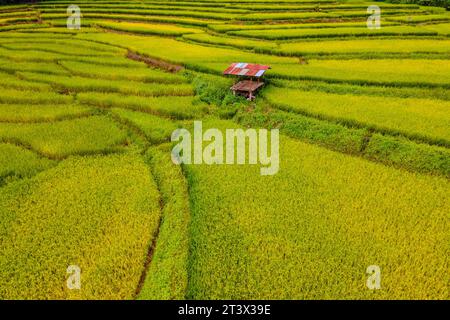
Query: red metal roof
x=246, y=69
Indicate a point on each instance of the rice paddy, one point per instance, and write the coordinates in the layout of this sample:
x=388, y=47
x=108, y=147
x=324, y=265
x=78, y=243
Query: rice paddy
x=86, y=170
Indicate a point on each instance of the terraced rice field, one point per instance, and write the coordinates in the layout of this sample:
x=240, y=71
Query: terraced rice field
x=87, y=179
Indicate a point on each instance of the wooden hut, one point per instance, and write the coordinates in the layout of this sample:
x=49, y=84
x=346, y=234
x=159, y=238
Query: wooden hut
x=250, y=78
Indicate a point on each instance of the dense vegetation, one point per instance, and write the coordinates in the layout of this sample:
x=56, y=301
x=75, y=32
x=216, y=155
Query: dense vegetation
x=86, y=177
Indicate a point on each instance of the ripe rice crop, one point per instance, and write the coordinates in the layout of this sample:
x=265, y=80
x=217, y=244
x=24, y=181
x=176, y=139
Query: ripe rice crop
x=18, y=163
x=422, y=118
x=70, y=48
x=76, y=214
x=8, y=81
x=12, y=66
x=391, y=72
x=173, y=13
x=156, y=129
x=33, y=97
x=80, y=84
x=421, y=18
x=121, y=73
x=280, y=34
x=278, y=237
x=400, y=152
x=87, y=179
x=60, y=139
x=441, y=28
x=50, y=18
x=110, y=61
x=183, y=53
x=21, y=27
x=286, y=16
x=365, y=47
x=57, y=44
x=400, y=92
x=172, y=107
x=233, y=42
x=41, y=112
x=167, y=277
x=391, y=150
x=146, y=28
x=234, y=27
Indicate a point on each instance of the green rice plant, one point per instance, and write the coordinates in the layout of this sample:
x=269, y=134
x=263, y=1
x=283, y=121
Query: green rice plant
x=41, y=113
x=17, y=163
x=146, y=28
x=423, y=119
x=281, y=34
x=99, y=213
x=143, y=73
x=312, y=235
x=80, y=84
x=167, y=277
x=400, y=152
x=12, y=96
x=156, y=129
x=172, y=107
x=96, y=134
